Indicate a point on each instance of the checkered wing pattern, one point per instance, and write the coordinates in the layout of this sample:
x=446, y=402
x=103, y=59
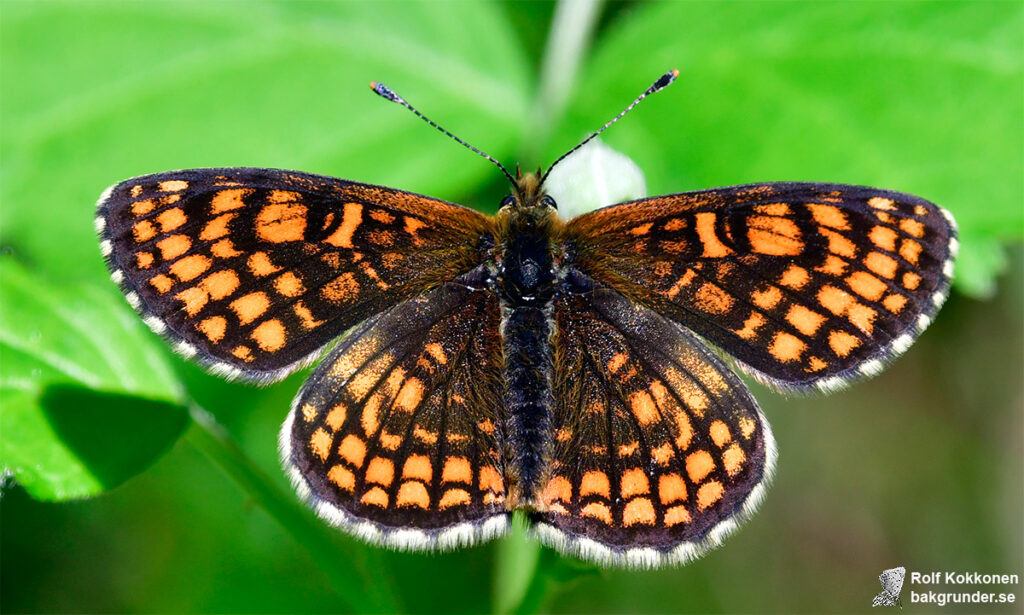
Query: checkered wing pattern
x=806, y=285
x=396, y=435
x=660, y=451
x=252, y=271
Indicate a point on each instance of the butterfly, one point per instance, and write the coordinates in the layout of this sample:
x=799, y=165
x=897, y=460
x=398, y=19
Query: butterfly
x=521, y=362
x=892, y=583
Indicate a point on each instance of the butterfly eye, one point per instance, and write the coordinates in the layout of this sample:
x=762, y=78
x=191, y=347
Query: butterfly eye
x=546, y=201
x=508, y=201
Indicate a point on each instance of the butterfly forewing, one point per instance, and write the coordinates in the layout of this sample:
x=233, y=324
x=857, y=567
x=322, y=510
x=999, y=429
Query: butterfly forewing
x=659, y=448
x=804, y=284
x=397, y=434
x=255, y=270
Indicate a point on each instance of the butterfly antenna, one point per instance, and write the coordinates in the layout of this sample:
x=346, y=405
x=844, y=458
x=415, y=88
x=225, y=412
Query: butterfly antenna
x=385, y=92
x=663, y=82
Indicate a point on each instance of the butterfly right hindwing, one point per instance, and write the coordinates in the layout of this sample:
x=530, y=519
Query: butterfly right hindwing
x=659, y=449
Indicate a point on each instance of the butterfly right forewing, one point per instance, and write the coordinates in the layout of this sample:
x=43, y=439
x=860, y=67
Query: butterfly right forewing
x=806, y=285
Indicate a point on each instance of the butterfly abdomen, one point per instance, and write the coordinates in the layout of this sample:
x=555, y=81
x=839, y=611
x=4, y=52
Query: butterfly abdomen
x=527, y=287
x=528, y=367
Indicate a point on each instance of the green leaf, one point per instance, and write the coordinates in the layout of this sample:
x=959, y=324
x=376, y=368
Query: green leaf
x=87, y=400
x=133, y=88
x=922, y=97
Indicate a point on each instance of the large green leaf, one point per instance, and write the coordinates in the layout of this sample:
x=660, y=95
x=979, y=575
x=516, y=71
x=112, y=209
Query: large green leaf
x=923, y=97
x=97, y=92
x=87, y=399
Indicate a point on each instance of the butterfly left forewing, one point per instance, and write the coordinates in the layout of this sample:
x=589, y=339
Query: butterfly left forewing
x=806, y=285
x=397, y=436
x=659, y=450
x=252, y=271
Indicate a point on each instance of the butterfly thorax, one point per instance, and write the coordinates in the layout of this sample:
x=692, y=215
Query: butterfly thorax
x=526, y=284
x=526, y=267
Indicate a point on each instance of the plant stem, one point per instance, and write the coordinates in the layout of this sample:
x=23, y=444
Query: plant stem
x=537, y=591
x=515, y=566
x=349, y=573
x=571, y=29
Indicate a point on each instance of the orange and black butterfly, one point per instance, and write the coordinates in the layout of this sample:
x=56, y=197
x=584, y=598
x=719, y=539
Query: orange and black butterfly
x=490, y=364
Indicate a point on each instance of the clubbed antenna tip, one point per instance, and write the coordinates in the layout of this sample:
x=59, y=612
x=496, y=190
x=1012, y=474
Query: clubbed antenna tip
x=665, y=80
x=385, y=92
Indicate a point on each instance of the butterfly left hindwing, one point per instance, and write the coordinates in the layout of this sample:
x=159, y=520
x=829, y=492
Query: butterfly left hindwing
x=397, y=435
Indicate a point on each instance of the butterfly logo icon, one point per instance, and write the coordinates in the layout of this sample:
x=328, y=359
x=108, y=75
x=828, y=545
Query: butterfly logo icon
x=892, y=583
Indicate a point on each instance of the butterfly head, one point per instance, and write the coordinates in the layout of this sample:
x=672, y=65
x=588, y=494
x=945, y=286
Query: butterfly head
x=529, y=193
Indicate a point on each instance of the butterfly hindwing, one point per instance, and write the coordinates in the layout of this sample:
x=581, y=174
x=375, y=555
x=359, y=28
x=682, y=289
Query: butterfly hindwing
x=659, y=450
x=806, y=285
x=397, y=435
x=254, y=270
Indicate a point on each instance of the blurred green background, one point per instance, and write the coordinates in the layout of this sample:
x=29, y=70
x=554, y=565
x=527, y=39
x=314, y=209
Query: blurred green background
x=919, y=467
